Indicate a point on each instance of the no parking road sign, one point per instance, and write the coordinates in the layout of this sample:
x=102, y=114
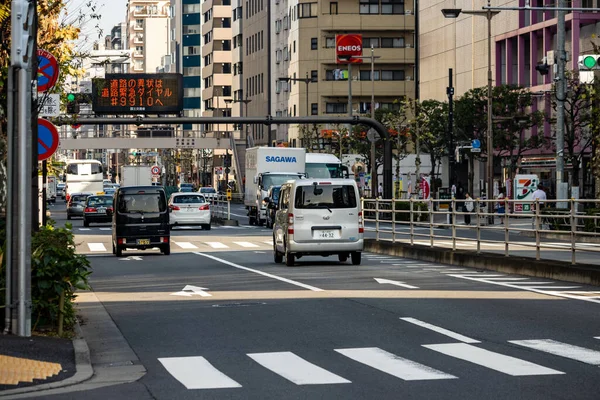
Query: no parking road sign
x=47, y=71
x=47, y=139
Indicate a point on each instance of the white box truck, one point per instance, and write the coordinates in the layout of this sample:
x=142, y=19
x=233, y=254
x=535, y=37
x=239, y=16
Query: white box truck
x=136, y=175
x=266, y=167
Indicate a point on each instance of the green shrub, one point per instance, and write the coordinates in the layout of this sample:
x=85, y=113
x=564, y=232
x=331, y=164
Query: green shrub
x=557, y=223
x=420, y=210
x=55, y=267
x=592, y=225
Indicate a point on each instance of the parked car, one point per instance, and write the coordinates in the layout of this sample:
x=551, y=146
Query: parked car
x=189, y=209
x=318, y=217
x=140, y=219
x=76, y=204
x=60, y=190
x=209, y=193
x=98, y=209
x=272, y=200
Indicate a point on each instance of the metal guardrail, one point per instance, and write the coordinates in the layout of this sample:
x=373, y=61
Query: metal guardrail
x=220, y=208
x=572, y=222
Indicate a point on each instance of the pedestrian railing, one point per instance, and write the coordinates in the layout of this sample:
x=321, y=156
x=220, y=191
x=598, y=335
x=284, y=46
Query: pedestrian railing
x=570, y=229
x=220, y=208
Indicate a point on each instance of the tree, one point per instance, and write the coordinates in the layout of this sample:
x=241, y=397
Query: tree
x=578, y=120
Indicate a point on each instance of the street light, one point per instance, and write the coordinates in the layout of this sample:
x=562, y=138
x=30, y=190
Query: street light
x=245, y=101
x=306, y=80
x=489, y=14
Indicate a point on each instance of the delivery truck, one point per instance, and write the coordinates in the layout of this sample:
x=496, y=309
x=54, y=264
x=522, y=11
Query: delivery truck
x=266, y=167
x=136, y=175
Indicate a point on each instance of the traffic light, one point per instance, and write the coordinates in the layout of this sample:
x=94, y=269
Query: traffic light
x=72, y=104
x=543, y=68
x=589, y=62
x=227, y=160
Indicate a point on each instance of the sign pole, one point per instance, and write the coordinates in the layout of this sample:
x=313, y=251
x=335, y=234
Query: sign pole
x=44, y=192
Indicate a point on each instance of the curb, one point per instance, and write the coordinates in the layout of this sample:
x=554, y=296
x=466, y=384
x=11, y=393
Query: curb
x=83, y=366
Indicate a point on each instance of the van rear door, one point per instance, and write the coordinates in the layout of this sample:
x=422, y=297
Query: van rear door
x=325, y=211
x=141, y=213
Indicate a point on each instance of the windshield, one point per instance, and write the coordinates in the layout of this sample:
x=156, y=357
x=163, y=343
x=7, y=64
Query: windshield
x=323, y=170
x=325, y=196
x=84, y=169
x=94, y=201
x=189, y=199
x=275, y=194
x=80, y=198
x=277, y=180
x=141, y=203
x=208, y=190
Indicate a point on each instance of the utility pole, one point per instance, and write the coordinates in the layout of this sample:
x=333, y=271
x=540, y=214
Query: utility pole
x=561, y=189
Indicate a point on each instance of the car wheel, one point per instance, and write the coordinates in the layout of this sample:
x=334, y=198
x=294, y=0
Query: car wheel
x=113, y=246
x=166, y=250
x=206, y=227
x=343, y=257
x=119, y=252
x=289, y=258
x=251, y=221
x=85, y=223
x=68, y=216
x=356, y=258
x=277, y=256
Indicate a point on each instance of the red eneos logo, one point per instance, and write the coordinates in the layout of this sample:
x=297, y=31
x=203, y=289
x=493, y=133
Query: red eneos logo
x=347, y=46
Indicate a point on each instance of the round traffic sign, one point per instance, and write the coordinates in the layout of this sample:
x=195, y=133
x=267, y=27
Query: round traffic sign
x=76, y=126
x=155, y=170
x=476, y=144
x=48, y=71
x=47, y=139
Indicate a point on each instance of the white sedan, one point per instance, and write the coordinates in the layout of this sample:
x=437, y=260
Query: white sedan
x=189, y=209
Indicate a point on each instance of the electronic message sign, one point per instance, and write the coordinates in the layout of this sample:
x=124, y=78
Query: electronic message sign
x=138, y=94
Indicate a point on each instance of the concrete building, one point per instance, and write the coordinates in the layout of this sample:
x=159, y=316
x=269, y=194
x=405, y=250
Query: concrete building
x=520, y=40
x=147, y=33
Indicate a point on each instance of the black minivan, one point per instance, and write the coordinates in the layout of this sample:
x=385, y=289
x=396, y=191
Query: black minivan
x=140, y=219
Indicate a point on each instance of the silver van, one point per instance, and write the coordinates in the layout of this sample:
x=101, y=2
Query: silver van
x=318, y=217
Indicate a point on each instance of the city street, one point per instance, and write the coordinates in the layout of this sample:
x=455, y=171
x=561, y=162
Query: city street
x=224, y=322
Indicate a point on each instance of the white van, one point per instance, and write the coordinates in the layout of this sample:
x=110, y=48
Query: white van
x=318, y=217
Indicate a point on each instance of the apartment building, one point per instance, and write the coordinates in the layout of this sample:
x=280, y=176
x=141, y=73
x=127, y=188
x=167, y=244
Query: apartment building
x=520, y=40
x=147, y=34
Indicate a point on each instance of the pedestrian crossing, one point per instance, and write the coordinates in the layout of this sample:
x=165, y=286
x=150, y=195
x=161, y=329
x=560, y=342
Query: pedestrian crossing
x=198, y=372
x=104, y=229
x=257, y=243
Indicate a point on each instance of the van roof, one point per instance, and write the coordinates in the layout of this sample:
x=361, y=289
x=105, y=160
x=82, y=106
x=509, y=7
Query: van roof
x=332, y=181
x=149, y=189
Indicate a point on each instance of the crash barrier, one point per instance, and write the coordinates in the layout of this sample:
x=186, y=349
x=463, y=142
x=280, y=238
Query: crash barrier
x=571, y=227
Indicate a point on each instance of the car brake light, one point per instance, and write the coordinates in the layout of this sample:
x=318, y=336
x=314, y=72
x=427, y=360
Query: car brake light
x=121, y=241
x=164, y=240
x=175, y=208
x=324, y=183
x=204, y=207
x=291, y=224
x=361, y=226
x=90, y=209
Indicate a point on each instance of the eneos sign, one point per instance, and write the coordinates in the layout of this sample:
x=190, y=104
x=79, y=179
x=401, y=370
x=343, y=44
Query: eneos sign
x=347, y=46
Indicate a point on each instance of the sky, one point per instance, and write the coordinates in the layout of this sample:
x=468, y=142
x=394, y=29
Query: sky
x=112, y=12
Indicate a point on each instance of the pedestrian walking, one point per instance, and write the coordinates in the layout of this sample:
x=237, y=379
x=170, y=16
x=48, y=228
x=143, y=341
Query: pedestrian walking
x=501, y=205
x=380, y=190
x=468, y=207
x=538, y=197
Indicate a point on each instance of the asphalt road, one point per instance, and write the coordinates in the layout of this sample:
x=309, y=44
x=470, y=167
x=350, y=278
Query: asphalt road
x=215, y=322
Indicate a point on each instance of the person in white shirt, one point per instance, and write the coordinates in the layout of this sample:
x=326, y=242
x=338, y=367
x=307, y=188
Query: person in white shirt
x=468, y=208
x=539, y=195
x=380, y=190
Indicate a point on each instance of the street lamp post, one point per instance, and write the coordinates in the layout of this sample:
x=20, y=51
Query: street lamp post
x=306, y=80
x=489, y=14
x=245, y=101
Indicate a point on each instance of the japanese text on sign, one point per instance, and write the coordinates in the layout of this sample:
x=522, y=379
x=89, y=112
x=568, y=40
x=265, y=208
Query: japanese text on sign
x=138, y=93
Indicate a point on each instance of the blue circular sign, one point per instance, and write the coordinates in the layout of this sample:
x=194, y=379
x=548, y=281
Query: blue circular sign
x=476, y=144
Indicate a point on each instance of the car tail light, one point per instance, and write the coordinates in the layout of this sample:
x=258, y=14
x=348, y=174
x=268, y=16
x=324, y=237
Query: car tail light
x=164, y=240
x=109, y=209
x=204, y=207
x=68, y=198
x=361, y=223
x=90, y=209
x=175, y=208
x=291, y=224
x=121, y=241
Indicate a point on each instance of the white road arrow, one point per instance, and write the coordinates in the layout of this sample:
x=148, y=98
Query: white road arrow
x=395, y=283
x=190, y=290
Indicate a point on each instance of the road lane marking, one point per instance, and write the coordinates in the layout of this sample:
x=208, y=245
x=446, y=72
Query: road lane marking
x=84, y=229
x=279, y=278
x=440, y=330
x=596, y=337
x=296, y=369
x=551, y=288
x=197, y=373
x=489, y=359
x=186, y=245
x=508, y=279
x=106, y=229
x=246, y=244
x=392, y=364
x=562, y=349
x=96, y=247
x=395, y=283
x=532, y=283
x=217, y=245
x=270, y=242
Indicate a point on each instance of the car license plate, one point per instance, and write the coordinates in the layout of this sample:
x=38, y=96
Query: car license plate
x=143, y=241
x=328, y=234
x=102, y=211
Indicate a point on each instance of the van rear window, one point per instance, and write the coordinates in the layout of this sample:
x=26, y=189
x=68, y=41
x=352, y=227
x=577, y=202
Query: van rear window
x=325, y=196
x=141, y=203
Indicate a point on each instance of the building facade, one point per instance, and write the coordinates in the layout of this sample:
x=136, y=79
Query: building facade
x=147, y=34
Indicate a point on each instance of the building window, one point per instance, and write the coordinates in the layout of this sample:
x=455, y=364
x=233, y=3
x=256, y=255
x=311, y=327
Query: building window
x=191, y=71
x=191, y=92
x=336, y=108
x=208, y=60
x=388, y=43
x=365, y=75
x=314, y=76
x=330, y=42
x=307, y=10
x=226, y=22
x=285, y=23
x=294, y=46
x=314, y=109
x=392, y=75
x=226, y=90
x=392, y=6
x=333, y=7
x=191, y=8
x=285, y=53
x=188, y=30
x=389, y=106
x=278, y=26
x=139, y=23
x=191, y=50
x=336, y=75
x=369, y=6
x=262, y=83
x=227, y=68
x=207, y=15
x=314, y=43
x=226, y=44
x=368, y=42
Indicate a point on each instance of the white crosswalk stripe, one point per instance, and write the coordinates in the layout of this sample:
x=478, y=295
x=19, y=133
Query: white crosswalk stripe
x=392, y=364
x=489, y=359
x=246, y=244
x=296, y=369
x=217, y=245
x=186, y=245
x=562, y=349
x=443, y=331
x=197, y=373
x=96, y=247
